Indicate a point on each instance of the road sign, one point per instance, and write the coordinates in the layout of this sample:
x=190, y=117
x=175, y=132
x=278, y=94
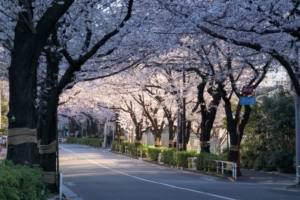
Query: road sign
x=247, y=100
x=247, y=90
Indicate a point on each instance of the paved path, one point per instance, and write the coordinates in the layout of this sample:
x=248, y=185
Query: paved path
x=91, y=173
x=94, y=174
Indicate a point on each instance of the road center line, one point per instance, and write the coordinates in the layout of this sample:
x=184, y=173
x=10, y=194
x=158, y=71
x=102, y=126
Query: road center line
x=149, y=181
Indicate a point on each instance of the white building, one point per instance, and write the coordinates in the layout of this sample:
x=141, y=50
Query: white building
x=275, y=77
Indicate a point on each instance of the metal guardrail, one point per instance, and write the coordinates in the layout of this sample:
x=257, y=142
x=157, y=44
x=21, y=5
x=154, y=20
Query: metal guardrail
x=227, y=166
x=62, y=140
x=191, y=163
x=127, y=150
x=139, y=153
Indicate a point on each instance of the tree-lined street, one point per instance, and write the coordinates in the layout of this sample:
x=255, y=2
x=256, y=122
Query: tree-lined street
x=137, y=74
x=99, y=174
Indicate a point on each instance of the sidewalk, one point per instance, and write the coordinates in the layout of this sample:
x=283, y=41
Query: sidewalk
x=251, y=176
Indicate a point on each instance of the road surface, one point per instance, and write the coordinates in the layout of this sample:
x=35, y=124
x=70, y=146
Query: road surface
x=95, y=174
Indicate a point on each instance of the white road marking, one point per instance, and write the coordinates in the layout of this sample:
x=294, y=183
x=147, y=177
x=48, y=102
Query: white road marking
x=161, y=167
x=149, y=181
x=208, y=179
x=69, y=183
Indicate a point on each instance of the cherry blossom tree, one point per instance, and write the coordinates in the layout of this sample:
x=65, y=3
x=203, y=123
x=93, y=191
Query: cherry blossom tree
x=33, y=22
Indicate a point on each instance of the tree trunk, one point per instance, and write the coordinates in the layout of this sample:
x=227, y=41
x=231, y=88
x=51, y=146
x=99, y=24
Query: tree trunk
x=171, y=133
x=188, y=132
x=22, y=91
x=28, y=44
x=208, y=114
x=180, y=140
x=47, y=125
x=233, y=155
x=157, y=141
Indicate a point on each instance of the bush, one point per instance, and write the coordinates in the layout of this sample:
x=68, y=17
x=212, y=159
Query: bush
x=144, y=150
x=131, y=148
x=248, y=159
x=153, y=152
x=181, y=157
x=71, y=140
x=114, y=144
x=168, y=156
x=280, y=160
x=95, y=142
x=205, y=161
x=124, y=143
x=21, y=182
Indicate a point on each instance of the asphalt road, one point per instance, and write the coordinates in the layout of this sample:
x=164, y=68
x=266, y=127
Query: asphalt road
x=97, y=174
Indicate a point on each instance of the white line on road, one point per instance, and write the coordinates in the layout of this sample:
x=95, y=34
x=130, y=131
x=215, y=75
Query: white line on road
x=149, y=181
x=208, y=179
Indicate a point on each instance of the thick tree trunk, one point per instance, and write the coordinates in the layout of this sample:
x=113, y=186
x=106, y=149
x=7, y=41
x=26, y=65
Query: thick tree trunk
x=22, y=91
x=208, y=114
x=28, y=44
x=180, y=140
x=188, y=132
x=71, y=127
x=171, y=133
x=233, y=128
x=157, y=141
x=48, y=151
x=138, y=134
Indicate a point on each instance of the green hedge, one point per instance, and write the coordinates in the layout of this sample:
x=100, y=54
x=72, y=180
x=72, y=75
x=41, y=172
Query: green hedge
x=181, y=157
x=123, y=144
x=71, y=140
x=21, y=182
x=205, y=161
x=113, y=145
x=168, y=156
x=153, y=152
x=144, y=150
x=94, y=142
x=132, y=148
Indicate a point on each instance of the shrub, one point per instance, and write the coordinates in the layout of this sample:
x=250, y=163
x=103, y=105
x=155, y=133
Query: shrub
x=280, y=160
x=21, y=182
x=95, y=142
x=71, y=140
x=131, y=148
x=124, y=143
x=205, y=161
x=153, y=152
x=168, y=156
x=248, y=159
x=181, y=157
x=144, y=150
x=114, y=144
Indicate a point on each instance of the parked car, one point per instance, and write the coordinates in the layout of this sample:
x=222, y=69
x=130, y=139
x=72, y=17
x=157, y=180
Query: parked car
x=4, y=140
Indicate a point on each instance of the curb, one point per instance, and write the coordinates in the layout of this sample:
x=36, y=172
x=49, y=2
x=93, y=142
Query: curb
x=69, y=194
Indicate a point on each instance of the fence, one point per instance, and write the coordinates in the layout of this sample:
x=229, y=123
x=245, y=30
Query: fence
x=227, y=166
